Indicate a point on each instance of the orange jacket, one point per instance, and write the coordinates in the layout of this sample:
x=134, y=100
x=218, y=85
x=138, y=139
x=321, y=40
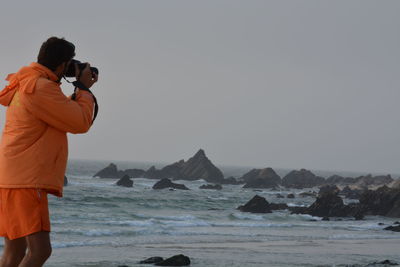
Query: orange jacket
x=34, y=148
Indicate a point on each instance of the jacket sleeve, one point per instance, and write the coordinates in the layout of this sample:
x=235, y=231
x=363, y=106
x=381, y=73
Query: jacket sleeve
x=49, y=104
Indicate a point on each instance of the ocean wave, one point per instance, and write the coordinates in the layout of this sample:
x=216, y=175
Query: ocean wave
x=246, y=216
x=355, y=237
x=131, y=223
x=167, y=217
x=90, y=243
x=96, y=232
x=185, y=223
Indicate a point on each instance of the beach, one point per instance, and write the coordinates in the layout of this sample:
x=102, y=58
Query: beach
x=272, y=253
x=97, y=223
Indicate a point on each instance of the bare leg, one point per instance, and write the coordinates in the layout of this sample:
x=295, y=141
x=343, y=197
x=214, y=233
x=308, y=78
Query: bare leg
x=39, y=250
x=14, y=252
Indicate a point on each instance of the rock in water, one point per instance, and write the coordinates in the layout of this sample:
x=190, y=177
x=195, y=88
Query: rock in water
x=328, y=189
x=110, y=171
x=384, y=201
x=177, y=260
x=328, y=205
x=395, y=228
x=200, y=167
x=256, y=205
x=210, y=186
x=166, y=183
x=302, y=179
x=152, y=260
x=261, y=178
x=125, y=181
x=65, y=180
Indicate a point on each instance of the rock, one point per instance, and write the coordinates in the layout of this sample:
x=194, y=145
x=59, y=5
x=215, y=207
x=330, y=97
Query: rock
x=302, y=179
x=172, y=171
x=111, y=171
x=197, y=167
x=210, y=186
x=108, y=172
x=290, y=196
x=279, y=196
x=326, y=219
x=335, y=179
x=328, y=205
x=166, y=183
x=328, y=189
x=152, y=260
x=200, y=167
x=256, y=205
x=358, y=216
x=385, y=263
x=369, y=180
x=349, y=193
x=125, y=181
x=384, y=201
x=177, y=260
x=153, y=173
x=395, y=184
x=261, y=178
x=65, y=180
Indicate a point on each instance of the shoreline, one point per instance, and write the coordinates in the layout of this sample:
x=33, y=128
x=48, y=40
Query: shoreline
x=272, y=253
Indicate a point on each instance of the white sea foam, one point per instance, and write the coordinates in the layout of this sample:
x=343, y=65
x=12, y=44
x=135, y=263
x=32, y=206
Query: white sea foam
x=95, y=232
x=131, y=223
x=173, y=218
x=90, y=243
x=248, y=216
x=185, y=223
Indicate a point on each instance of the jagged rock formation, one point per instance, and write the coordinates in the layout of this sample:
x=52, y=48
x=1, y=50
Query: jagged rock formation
x=111, y=171
x=384, y=201
x=261, y=178
x=125, y=181
x=200, y=167
x=302, y=179
x=197, y=167
x=361, y=181
x=167, y=183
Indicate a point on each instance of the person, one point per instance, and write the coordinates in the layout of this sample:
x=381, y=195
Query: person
x=33, y=148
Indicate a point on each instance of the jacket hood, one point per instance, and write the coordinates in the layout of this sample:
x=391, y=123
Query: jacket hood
x=24, y=81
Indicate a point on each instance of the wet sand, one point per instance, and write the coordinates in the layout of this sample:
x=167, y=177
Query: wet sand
x=271, y=253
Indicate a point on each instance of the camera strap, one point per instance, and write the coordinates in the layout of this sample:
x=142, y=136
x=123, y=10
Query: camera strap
x=82, y=87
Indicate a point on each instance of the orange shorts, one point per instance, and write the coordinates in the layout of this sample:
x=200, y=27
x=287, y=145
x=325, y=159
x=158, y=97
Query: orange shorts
x=23, y=211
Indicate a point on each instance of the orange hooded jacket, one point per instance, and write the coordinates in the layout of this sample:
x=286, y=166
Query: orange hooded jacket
x=34, y=148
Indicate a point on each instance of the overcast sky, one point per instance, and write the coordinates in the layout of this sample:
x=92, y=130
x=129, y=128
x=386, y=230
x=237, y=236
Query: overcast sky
x=295, y=84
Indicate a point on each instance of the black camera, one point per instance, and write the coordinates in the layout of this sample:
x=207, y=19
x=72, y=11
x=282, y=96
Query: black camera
x=70, y=72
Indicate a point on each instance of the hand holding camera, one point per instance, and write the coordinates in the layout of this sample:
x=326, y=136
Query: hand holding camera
x=86, y=76
x=83, y=72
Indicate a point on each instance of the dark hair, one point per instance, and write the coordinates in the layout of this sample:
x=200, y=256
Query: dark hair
x=54, y=52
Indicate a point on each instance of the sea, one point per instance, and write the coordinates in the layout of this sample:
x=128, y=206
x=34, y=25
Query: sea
x=97, y=223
